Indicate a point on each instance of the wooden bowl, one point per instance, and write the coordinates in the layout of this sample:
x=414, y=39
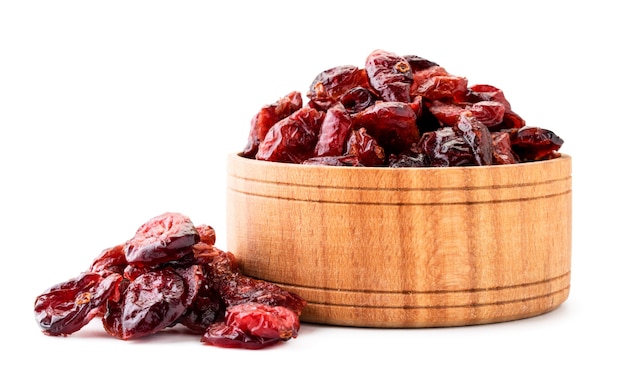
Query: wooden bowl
x=406, y=247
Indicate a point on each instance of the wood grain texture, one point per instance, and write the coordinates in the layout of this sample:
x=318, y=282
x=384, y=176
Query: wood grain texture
x=382, y=247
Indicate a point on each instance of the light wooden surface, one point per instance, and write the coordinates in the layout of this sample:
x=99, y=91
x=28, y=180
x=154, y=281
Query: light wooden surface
x=382, y=247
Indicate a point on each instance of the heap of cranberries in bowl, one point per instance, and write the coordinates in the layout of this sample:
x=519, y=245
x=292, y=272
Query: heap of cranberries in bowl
x=396, y=111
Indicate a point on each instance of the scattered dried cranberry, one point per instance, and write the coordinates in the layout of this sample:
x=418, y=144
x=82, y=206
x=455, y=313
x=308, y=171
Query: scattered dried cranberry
x=170, y=273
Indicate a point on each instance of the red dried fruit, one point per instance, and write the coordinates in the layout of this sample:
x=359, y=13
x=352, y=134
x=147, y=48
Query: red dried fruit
x=334, y=132
x=390, y=75
x=169, y=282
x=152, y=302
x=164, y=238
x=293, y=139
x=365, y=148
x=329, y=86
x=110, y=260
x=253, y=326
x=267, y=117
x=468, y=143
x=65, y=308
x=535, y=144
x=207, y=234
x=392, y=124
x=378, y=98
x=357, y=99
x=502, y=152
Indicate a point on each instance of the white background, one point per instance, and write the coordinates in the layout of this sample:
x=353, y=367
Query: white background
x=113, y=112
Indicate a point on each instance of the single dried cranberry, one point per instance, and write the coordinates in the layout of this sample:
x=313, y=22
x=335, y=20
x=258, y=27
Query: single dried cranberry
x=164, y=238
x=207, y=234
x=418, y=63
x=65, y=308
x=152, y=302
x=334, y=132
x=390, y=75
x=535, y=143
x=253, y=325
x=468, y=143
x=329, y=86
x=392, y=124
x=421, y=79
x=267, y=117
x=502, y=152
x=365, y=148
x=293, y=139
x=110, y=260
x=357, y=99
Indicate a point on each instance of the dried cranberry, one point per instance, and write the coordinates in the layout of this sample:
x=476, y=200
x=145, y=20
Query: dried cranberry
x=468, y=143
x=166, y=237
x=334, y=132
x=535, y=144
x=65, y=308
x=253, y=325
x=365, y=148
x=267, y=117
x=329, y=86
x=502, y=151
x=293, y=139
x=152, y=302
x=392, y=124
x=390, y=75
x=357, y=99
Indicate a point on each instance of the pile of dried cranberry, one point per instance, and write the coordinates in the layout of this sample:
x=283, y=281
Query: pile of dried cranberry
x=170, y=273
x=397, y=111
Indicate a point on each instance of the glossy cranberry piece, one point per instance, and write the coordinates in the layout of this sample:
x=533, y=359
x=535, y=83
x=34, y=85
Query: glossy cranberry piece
x=329, y=86
x=65, y=308
x=535, y=144
x=267, y=117
x=334, y=132
x=163, y=238
x=390, y=75
x=392, y=124
x=293, y=139
x=357, y=99
x=365, y=148
x=502, y=151
x=253, y=326
x=110, y=260
x=468, y=143
x=152, y=302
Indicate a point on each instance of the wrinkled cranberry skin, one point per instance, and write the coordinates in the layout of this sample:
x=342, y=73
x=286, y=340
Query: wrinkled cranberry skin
x=152, y=302
x=293, y=139
x=164, y=238
x=329, y=86
x=111, y=260
x=267, y=117
x=502, y=151
x=469, y=143
x=390, y=75
x=418, y=63
x=535, y=144
x=253, y=325
x=365, y=148
x=334, y=132
x=65, y=308
x=392, y=124
x=357, y=99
